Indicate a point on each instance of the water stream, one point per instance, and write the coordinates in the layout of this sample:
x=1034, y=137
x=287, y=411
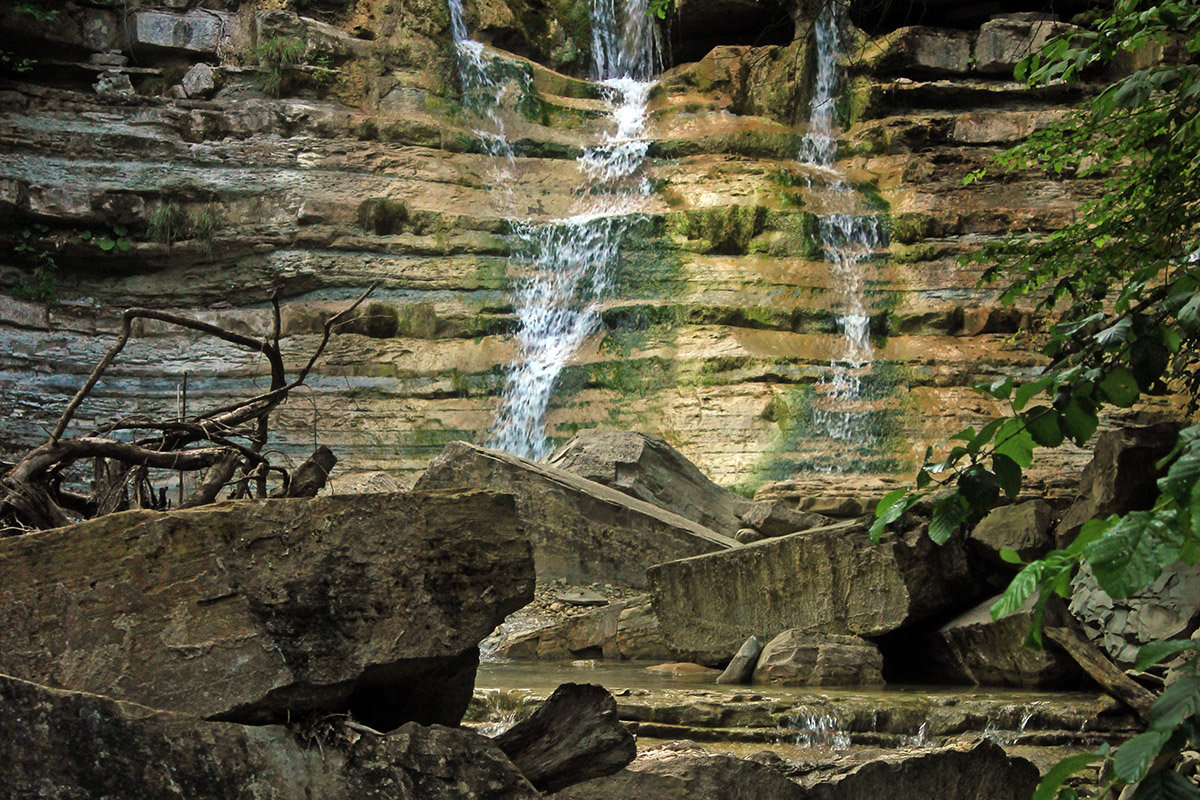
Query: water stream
x=847, y=241
x=567, y=264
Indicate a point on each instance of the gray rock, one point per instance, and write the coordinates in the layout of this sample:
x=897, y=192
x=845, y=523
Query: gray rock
x=110, y=59
x=974, y=648
x=1169, y=608
x=626, y=630
x=741, y=669
x=582, y=532
x=922, y=51
x=1005, y=40
x=831, y=579
x=64, y=744
x=1023, y=527
x=200, y=81
x=797, y=658
x=196, y=31
x=112, y=83
x=582, y=597
x=981, y=772
x=649, y=469
x=270, y=610
x=1120, y=477
x=777, y=518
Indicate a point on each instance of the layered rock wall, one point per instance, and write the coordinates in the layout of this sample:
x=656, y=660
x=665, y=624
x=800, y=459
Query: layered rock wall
x=720, y=330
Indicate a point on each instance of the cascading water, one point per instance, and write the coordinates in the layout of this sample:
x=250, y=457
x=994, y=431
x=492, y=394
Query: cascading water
x=847, y=240
x=568, y=262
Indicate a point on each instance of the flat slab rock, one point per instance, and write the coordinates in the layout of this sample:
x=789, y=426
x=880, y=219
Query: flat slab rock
x=70, y=745
x=582, y=531
x=980, y=771
x=269, y=610
x=830, y=579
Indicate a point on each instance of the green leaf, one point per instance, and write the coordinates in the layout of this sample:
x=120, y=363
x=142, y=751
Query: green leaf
x=1042, y=424
x=1132, y=760
x=1019, y=590
x=1133, y=552
x=1166, y=785
x=1079, y=422
x=1008, y=474
x=924, y=479
x=1047, y=789
x=889, y=500
x=1154, y=652
x=1178, y=701
x=1014, y=441
x=1010, y=556
x=890, y=508
x=1120, y=387
x=948, y=514
x=1026, y=392
x=106, y=244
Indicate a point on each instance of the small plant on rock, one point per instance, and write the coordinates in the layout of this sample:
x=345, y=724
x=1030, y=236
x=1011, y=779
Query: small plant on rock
x=276, y=56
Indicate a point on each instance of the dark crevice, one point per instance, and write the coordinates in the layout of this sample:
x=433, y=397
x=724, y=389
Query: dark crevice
x=701, y=27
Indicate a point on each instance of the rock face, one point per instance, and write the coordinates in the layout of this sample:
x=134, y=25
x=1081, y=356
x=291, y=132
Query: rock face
x=1023, y=527
x=797, y=658
x=1169, y=608
x=974, y=648
x=581, y=531
x=625, y=630
x=972, y=772
x=718, y=332
x=264, y=611
x=979, y=772
x=55, y=743
x=832, y=580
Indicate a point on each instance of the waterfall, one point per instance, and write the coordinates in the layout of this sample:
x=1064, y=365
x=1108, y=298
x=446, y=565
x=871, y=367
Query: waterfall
x=567, y=264
x=847, y=240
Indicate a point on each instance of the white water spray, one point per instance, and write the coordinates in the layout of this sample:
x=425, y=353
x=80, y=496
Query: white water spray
x=847, y=240
x=570, y=261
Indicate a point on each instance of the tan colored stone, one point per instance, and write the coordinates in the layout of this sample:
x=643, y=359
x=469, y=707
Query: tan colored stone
x=264, y=611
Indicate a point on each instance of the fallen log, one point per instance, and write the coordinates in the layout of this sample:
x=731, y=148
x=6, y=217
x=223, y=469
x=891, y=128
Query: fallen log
x=1096, y=664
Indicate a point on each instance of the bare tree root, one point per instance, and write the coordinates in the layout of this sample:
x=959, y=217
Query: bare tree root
x=222, y=446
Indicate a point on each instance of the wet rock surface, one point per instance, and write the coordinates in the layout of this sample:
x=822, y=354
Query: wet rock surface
x=797, y=658
x=265, y=611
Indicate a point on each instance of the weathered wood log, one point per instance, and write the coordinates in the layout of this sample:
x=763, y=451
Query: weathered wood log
x=1096, y=664
x=572, y=737
x=309, y=478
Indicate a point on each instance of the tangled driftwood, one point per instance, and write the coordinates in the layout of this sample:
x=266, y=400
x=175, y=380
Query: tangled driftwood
x=224, y=444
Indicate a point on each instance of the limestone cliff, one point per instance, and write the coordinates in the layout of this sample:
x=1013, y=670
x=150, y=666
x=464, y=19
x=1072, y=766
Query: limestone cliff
x=131, y=177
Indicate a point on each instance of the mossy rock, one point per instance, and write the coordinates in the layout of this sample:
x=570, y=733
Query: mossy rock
x=912, y=227
x=724, y=230
x=303, y=321
x=377, y=320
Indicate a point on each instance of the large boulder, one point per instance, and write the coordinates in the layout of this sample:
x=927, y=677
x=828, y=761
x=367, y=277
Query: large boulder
x=799, y=658
x=1121, y=475
x=980, y=771
x=582, y=531
x=920, y=51
x=974, y=648
x=625, y=629
x=1007, y=38
x=269, y=610
x=649, y=469
x=56, y=743
x=199, y=31
x=1023, y=527
x=832, y=580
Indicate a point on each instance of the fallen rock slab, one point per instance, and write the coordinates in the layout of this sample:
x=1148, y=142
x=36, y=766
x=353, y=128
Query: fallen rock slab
x=974, y=648
x=648, y=468
x=572, y=737
x=582, y=531
x=269, y=610
x=831, y=579
x=1022, y=527
x=798, y=658
x=740, y=669
x=56, y=743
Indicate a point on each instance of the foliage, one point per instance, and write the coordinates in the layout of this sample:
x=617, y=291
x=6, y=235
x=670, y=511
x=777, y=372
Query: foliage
x=1124, y=283
x=41, y=285
x=276, y=56
x=172, y=222
x=114, y=237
